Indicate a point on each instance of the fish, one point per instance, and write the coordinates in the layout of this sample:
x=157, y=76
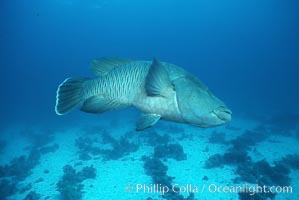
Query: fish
x=160, y=90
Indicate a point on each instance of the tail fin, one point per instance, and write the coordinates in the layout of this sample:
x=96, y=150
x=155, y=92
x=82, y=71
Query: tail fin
x=69, y=95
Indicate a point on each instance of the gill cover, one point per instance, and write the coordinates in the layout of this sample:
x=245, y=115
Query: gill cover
x=187, y=99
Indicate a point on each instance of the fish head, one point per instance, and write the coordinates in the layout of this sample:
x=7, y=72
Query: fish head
x=198, y=106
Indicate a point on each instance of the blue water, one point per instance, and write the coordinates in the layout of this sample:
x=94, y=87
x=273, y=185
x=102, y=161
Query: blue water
x=246, y=52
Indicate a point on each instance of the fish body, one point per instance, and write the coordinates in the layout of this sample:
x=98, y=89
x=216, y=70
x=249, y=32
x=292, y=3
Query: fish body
x=160, y=90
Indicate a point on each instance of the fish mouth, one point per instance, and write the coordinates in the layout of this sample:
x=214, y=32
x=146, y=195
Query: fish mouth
x=223, y=113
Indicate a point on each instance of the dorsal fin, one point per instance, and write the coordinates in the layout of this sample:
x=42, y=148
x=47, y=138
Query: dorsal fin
x=102, y=66
x=157, y=80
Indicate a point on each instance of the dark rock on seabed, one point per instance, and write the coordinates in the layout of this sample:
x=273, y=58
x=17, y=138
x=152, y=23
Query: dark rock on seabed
x=70, y=186
x=174, y=151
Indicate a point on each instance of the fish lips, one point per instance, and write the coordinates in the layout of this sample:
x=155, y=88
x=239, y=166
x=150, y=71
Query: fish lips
x=223, y=113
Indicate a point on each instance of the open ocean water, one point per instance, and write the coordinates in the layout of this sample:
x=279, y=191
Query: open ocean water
x=246, y=52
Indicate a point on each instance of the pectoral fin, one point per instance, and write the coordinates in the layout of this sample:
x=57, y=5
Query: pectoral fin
x=157, y=80
x=146, y=121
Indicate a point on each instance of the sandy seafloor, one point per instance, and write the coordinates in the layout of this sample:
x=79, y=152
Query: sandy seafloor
x=113, y=175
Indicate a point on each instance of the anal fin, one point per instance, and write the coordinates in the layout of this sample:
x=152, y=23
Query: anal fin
x=146, y=121
x=100, y=104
